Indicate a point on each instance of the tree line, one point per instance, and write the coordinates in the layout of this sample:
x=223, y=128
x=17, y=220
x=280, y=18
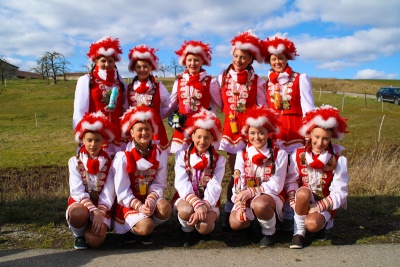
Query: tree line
x=53, y=64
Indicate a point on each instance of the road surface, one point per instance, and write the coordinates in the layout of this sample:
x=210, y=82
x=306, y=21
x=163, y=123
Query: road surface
x=351, y=255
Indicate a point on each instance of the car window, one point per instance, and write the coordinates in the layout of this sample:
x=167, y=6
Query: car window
x=397, y=91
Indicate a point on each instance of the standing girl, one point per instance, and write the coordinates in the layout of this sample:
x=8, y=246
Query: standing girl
x=192, y=90
x=140, y=177
x=91, y=182
x=259, y=176
x=290, y=94
x=144, y=90
x=103, y=88
x=241, y=88
x=322, y=173
x=198, y=175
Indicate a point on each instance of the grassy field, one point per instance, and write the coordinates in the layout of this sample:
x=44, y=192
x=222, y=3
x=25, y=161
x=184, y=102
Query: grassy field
x=36, y=119
x=36, y=141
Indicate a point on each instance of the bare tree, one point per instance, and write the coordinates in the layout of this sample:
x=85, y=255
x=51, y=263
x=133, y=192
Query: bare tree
x=175, y=67
x=86, y=67
x=50, y=65
x=54, y=60
x=64, y=66
x=41, y=68
x=163, y=68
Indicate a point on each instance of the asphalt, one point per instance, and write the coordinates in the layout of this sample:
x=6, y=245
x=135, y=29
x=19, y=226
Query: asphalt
x=351, y=255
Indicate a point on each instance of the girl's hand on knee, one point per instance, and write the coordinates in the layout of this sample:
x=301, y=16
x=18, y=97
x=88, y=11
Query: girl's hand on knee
x=243, y=196
x=192, y=220
x=97, y=222
x=201, y=213
x=148, y=207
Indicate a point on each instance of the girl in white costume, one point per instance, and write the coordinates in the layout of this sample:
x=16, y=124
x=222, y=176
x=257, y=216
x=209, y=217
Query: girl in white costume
x=259, y=176
x=289, y=93
x=192, y=90
x=140, y=177
x=102, y=89
x=199, y=170
x=322, y=174
x=145, y=90
x=91, y=182
x=241, y=89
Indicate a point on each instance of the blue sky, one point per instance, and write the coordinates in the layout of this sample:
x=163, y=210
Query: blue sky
x=345, y=39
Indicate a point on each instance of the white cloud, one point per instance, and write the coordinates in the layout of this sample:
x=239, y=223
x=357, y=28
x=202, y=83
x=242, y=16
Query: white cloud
x=365, y=45
x=335, y=65
x=374, y=74
x=354, y=12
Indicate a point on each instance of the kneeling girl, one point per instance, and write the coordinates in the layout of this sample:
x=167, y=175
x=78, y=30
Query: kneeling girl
x=140, y=177
x=259, y=175
x=198, y=175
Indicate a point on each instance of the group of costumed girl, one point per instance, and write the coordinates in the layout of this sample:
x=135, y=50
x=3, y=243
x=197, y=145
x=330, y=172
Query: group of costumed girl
x=118, y=177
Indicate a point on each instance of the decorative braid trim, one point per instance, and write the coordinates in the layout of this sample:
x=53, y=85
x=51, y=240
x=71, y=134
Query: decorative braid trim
x=207, y=205
x=325, y=204
x=136, y=204
x=102, y=209
x=255, y=191
x=291, y=197
x=88, y=204
x=194, y=201
x=152, y=197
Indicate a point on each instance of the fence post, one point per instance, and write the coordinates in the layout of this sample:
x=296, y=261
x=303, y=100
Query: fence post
x=380, y=127
x=343, y=102
x=365, y=97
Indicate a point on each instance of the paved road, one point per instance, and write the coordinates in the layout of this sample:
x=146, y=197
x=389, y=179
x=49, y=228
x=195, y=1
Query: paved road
x=346, y=94
x=352, y=255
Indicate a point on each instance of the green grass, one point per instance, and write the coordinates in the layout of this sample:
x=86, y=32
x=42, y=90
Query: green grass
x=36, y=120
x=36, y=123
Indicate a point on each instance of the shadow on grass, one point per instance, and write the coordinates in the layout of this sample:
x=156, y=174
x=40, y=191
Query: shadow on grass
x=367, y=220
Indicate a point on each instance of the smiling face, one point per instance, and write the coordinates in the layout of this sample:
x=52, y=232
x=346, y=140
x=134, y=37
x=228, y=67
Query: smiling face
x=193, y=63
x=105, y=63
x=258, y=136
x=241, y=59
x=202, y=140
x=141, y=132
x=278, y=62
x=93, y=142
x=142, y=69
x=320, y=139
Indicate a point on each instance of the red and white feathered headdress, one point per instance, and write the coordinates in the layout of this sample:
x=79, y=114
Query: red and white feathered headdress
x=279, y=44
x=259, y=116
x=206, y=120
x=137, y=114
x=326, y=117
x=96, y=122
x=248, y=41
x=197, y=48
x=105, y=47
x=145, y=53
